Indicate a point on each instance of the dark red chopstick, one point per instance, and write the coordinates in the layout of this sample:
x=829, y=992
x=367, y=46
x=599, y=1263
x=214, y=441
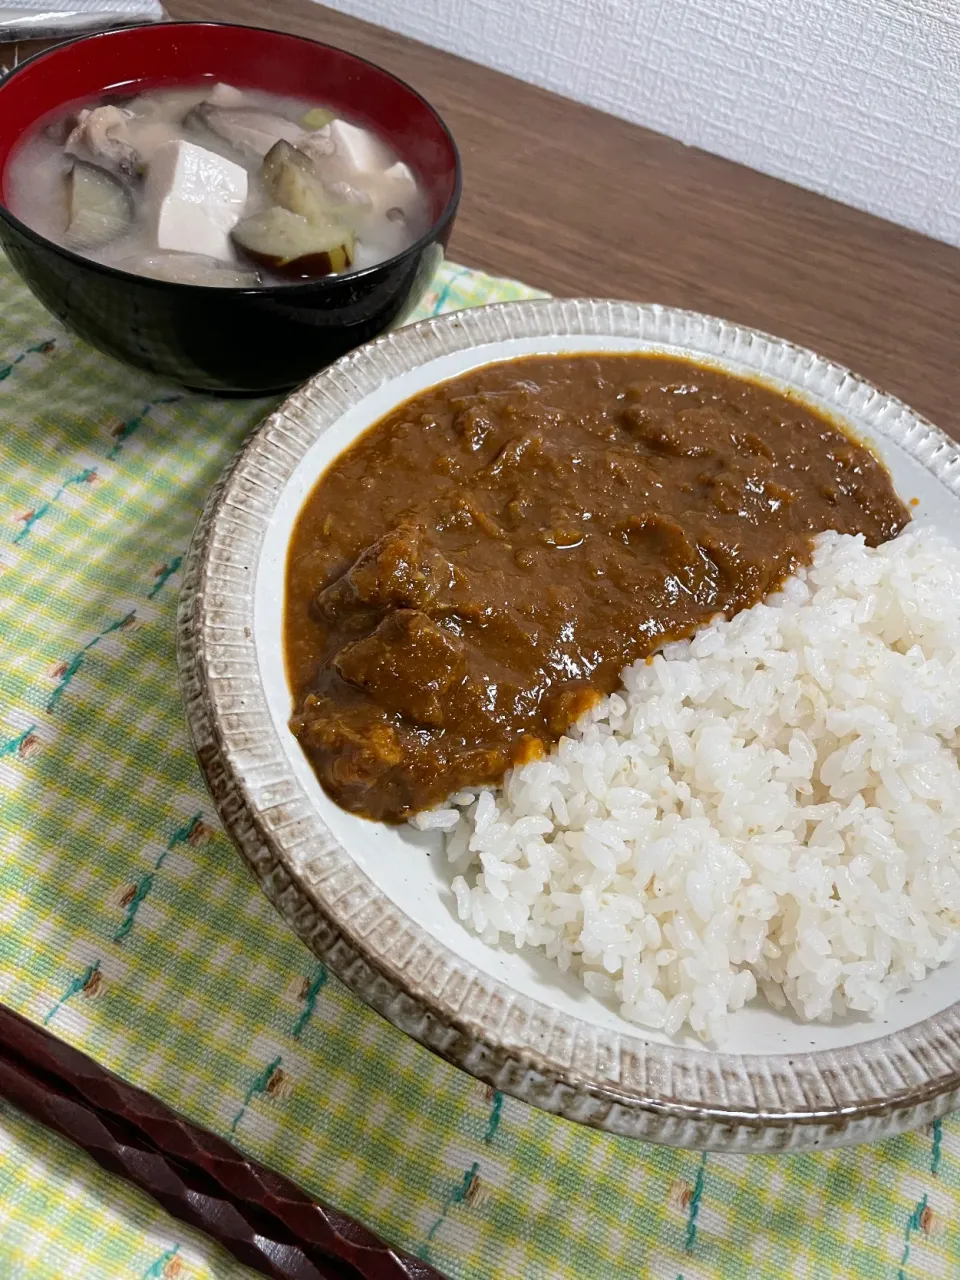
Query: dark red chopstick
x=262, y=1218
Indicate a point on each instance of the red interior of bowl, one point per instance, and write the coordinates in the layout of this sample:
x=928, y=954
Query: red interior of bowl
x=250, y=58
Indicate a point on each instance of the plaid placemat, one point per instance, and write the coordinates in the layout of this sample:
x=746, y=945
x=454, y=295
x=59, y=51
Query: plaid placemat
x=130, y=927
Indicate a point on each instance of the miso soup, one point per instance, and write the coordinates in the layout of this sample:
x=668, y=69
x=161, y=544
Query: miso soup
x=213, y=185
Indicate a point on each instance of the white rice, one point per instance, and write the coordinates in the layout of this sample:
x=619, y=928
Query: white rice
x=774, y=804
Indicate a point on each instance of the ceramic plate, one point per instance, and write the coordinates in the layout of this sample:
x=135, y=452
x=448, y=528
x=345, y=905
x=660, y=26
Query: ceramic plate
x=375, y=903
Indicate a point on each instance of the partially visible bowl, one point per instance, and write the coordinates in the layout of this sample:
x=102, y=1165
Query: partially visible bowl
x=229, y=341
x=382, y=915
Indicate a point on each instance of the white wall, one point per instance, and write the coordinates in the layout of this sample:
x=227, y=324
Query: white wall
x=859, y=99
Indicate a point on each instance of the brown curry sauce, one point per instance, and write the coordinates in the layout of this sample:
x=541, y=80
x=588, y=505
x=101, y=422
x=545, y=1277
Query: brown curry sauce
x=480, y=565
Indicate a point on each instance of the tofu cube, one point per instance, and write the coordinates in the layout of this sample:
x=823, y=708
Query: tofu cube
x=400, y=187
x=225, y=95
x=360, y=149
x=194, y=198
x=402, y=174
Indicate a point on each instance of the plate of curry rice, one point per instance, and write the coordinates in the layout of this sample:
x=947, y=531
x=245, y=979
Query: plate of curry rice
x=581, y=681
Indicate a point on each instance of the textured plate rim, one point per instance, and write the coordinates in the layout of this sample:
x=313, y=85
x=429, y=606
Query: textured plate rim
x=616, y=1082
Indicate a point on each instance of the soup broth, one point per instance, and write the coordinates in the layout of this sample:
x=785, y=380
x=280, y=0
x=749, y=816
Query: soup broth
x=214, y=185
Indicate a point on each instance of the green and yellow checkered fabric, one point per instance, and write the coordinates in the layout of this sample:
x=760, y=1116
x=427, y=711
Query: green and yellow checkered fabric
x=129, y=926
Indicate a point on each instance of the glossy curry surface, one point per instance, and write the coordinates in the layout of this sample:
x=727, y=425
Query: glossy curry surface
x=478, y=567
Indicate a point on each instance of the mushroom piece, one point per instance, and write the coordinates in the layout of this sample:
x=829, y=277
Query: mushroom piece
x=294, y=246
x=103, y=135
x=248, y=131
x=191, y=268
x=99, y=207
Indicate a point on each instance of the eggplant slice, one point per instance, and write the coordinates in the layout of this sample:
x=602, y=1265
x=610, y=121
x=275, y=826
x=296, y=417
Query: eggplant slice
x=294, y=246
x=99, y=207
x=291, y=179
x=191, y=268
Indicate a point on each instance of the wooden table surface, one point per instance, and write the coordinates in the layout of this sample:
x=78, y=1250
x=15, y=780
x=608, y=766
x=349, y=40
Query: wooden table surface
x=576, y=202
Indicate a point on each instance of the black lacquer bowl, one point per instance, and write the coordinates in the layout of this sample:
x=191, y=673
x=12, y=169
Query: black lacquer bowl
x=228, y=341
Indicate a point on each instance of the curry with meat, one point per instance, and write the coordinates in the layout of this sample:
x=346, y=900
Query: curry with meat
x=480, y=566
